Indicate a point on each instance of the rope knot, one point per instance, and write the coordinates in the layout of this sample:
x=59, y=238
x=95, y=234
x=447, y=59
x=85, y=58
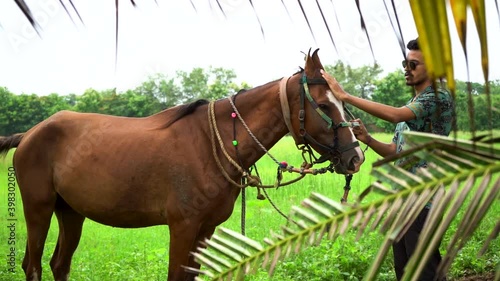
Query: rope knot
x=253, y=181
x=259, y=194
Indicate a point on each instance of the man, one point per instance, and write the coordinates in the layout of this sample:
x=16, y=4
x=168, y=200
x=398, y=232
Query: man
x=428, y=111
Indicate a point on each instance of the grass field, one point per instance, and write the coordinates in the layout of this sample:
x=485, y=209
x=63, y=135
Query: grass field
x=107, y=253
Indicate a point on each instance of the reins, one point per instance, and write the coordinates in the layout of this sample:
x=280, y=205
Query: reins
x=251, y=181
x=254, y=181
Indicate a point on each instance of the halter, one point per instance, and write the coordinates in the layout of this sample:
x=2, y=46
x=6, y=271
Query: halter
x=306, y=167
x=282, y=166
x=335, y=149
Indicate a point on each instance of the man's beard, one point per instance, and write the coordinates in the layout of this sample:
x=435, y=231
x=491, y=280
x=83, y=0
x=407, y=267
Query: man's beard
x=409, y=80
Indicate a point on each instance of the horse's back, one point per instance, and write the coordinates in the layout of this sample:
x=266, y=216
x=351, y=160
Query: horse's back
x=60, y=130
x=64, y=141
x=115, y=170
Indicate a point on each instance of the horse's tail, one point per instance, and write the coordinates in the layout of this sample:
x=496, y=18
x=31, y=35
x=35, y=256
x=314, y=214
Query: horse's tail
x=6, y=143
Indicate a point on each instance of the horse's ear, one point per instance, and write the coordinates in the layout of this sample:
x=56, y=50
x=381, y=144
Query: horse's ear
x=307, y=56
x=309, y=67
x=313, y=64
x=315, y=58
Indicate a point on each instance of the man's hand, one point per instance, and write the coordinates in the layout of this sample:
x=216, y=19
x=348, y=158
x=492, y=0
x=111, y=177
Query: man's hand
x=360, y=132
x=335, y=87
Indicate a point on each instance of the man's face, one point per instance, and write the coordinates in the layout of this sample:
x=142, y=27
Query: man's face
x=418, y=75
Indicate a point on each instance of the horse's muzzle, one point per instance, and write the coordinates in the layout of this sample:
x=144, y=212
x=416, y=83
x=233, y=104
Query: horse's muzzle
x=351, y=166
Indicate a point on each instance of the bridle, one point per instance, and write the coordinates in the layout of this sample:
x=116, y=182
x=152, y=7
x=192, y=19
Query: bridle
x=304, y=137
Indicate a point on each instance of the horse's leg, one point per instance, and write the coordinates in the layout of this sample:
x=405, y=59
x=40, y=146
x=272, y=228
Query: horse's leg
x=26, y=258
x=204, y=233
x=38, y=209
x=182, y=239
x=70, y=230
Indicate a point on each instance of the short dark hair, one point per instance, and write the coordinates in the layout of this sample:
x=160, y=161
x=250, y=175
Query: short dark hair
x=413, y=45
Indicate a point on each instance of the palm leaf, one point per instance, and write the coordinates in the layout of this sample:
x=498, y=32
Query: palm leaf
x=431, y=21
x=479, y=14
x=455, y=168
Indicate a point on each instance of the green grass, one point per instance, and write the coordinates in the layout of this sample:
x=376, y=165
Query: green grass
x=107, y=253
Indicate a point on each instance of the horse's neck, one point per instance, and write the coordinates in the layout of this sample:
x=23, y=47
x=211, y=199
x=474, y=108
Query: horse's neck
x=261, y=112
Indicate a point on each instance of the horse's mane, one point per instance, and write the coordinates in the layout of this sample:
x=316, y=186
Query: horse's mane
x=188, y=108
x=184, y=110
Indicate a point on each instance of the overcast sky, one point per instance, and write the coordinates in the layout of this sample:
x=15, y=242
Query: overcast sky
x=72, y=57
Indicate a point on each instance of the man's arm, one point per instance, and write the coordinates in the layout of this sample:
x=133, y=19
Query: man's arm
x=381, y=148
x=386, y=112
x=380, y=110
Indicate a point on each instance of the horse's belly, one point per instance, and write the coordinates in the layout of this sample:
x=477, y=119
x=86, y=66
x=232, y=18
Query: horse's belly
x=119, y=207
x=127, y=219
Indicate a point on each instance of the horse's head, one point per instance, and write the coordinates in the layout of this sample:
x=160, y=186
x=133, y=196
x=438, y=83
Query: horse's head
x=318, y=119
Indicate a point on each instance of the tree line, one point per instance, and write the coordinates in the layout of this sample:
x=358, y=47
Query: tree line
x=20, y=112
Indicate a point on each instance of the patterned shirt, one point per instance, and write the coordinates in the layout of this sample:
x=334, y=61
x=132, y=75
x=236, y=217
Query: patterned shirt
x=434, y=114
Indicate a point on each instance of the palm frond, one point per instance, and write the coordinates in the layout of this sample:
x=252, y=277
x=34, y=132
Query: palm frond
x=456, y=167
x=434, y=35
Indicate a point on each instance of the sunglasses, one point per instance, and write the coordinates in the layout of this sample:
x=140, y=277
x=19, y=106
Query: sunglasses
x=412, y=64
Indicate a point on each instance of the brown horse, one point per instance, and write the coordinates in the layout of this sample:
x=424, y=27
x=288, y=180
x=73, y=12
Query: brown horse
x=175, y=168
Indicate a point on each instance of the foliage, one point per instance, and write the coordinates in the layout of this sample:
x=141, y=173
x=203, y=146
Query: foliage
x=5, y=111
x=478, y=103
x=432, y=24
x=107, y=253
x=19, y=113
x=454, y=168
x=25, y=110
x=358, y=82
x=90, y=101
x=221, y=83
x=391, y=90
x=160, y=92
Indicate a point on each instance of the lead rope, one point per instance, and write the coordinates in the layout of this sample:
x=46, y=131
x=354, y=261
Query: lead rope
x=243, y=181
x=347, y=188
x=243, y=193
x=288, y=219
x=281, y=165
x=348, y=178
x=251, y=181
x=243, y=210
x=250, y=132
x=235, y=114
x=255, y=181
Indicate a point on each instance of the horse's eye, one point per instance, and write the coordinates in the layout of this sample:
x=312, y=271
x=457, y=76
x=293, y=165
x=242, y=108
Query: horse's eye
x=323, y=106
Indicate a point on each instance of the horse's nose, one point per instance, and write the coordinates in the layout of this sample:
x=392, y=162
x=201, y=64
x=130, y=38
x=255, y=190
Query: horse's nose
x=355, y=163
x=352, y=163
